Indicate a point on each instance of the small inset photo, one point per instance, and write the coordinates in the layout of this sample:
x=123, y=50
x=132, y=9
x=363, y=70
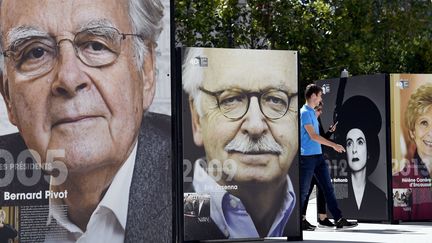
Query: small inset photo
x=402, y=197
x=196, y=205
x=9, y=224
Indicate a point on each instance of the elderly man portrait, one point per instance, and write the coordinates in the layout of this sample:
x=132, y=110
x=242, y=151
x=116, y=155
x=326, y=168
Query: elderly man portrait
x=243, y=107
x=78, y=77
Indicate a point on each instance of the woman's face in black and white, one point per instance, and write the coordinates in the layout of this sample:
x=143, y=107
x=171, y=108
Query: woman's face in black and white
x=356, y=149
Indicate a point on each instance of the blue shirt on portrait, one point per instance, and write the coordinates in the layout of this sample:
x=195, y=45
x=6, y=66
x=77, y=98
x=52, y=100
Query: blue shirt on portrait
x=229, y=213
x=308, y=117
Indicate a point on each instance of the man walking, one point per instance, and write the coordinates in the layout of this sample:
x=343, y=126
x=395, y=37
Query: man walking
x=312, y=161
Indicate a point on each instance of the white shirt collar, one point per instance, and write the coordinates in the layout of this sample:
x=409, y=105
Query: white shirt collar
x=119, y=189
x=116, y=199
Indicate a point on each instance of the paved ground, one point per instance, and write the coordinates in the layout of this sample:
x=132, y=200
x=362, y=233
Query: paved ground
x=404, y=232
x=420, y=232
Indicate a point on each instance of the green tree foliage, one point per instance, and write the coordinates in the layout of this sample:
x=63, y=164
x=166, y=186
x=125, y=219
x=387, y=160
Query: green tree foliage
x=365, y=36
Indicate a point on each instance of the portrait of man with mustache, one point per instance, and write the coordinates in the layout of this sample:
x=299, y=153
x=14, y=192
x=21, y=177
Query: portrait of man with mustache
x=243, y=106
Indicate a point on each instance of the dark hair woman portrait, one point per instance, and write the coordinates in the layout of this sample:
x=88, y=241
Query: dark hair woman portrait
x=359, y=125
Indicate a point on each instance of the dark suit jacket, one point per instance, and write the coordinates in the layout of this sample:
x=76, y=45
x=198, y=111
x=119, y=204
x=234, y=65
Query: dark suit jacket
x=7, y=233
x=150, y=210
x=373, y=205
x=419, y=207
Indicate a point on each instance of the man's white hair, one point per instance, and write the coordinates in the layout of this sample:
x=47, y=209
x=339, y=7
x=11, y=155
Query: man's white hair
x=145, y=17
x=193, y=75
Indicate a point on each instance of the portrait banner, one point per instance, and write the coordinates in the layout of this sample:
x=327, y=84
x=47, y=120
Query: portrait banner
x=239, y=144
x=355, y=107
x=85, y=121
x=411, y=119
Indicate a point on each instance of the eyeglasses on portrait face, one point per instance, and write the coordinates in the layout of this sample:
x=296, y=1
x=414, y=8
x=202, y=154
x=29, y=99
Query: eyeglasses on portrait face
x=96, y=47
x=234, y=103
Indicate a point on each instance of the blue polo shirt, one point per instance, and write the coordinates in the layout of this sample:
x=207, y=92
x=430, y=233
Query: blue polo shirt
x=308, y=117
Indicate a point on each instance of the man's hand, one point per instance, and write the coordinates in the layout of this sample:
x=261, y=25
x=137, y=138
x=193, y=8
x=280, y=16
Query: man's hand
x=339, y=148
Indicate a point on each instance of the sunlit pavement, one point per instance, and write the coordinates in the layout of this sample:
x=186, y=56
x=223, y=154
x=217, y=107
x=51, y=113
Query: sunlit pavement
x=418, y=232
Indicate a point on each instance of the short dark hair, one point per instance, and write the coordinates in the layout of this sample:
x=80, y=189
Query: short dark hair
x=312, y=89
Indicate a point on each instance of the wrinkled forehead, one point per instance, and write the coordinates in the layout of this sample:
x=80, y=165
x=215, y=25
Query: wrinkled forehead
x=57, y=17
x=250, y=69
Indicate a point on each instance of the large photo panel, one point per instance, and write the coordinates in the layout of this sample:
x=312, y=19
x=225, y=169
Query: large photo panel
x=240, y=144
x=357, y=106
x=411, y=100
x=85, y=125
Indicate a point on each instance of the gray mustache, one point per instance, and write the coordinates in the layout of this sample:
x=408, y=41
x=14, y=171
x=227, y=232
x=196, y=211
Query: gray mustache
x=245, y=144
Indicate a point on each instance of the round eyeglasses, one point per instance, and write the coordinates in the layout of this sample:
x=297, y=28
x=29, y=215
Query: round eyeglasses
x=234, y=103
x=95, y=47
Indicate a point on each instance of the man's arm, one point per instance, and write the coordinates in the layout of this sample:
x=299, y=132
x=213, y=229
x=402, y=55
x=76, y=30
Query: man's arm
x=317, y=138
